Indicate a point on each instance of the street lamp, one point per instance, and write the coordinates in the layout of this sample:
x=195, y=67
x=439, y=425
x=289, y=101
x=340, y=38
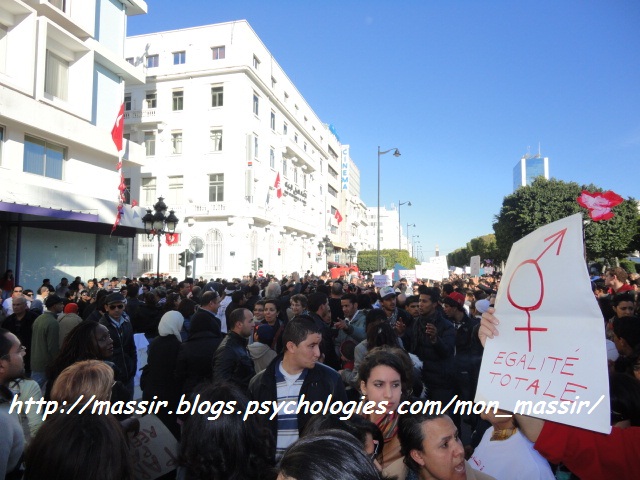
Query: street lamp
x=351, y=252
x=413, y=243
x=408, y=203
x=328, y=248
x=409, y=225
x=158, y=224
x=396, y=153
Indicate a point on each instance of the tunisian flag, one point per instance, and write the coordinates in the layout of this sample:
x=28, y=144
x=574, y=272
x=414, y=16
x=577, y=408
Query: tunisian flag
x=277, y=186
x=338, y=216
x=118, y=129
x=172, y=238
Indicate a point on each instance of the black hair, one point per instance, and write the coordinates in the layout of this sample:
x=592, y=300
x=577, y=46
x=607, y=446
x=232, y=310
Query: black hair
x=374, y=315
x=624, y=395
x=5, y=343
x=390, y=357
x=622, y=297
x=228, y=447
x=298, y=329
x=208, y=297
x=328, y=455
x=350, y=297
x=411, y=435
x=432, y=292
x=381, y=333
x=234, y=317
x=100, y=449
x=316, y=300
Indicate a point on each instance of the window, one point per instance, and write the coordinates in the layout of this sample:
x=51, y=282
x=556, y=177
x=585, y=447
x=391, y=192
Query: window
x=285, y=128
x=295, y=175
x=256, y=62
x=215, y=135
x=127, y=191
x=147, y=262
x=218, y=52
x=150, y=143
x=216, y=96
x=130, y=60
x=127, y=102
x=295, y=137
x=56, y=77
x=148, y=191
x=151, y=100
x=255, y=147
x=177, y=100
x=216, y=187
x=43, y=158
x=273, y=82
x=304, y=181
x=153, y=61
x=176, y=143
x=272, y=158
x=179, y=57
x=273, y=121
x=256, y=104
x=60, y=4
x=332, y=191
x=284, y=167
x=176, y=186
x=305, y=146
x=286, y=97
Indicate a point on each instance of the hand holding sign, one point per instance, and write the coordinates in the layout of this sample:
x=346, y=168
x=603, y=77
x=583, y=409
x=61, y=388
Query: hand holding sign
x=560, y=364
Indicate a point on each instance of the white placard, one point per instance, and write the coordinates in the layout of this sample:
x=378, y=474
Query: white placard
x=381, y=281
x=474, y=264
x=551, y=347
x=410, y=275
x=154, y=449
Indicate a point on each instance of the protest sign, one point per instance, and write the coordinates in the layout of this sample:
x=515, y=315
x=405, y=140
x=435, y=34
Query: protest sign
x=410, y=275
x=474, y=264
x=551, y=348
x=154, y=449
x=381, y=281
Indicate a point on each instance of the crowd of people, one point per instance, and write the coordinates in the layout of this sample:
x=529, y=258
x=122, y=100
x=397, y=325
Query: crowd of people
x=292, y=340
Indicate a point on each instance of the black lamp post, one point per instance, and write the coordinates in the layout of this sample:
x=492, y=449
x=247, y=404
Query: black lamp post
x=158, y=224
x=328, y=248
x=351, y=252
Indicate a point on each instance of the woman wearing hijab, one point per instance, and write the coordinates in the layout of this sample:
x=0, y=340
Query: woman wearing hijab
x=159, y=375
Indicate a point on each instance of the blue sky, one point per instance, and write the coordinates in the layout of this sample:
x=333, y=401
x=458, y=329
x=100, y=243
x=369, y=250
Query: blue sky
x=462, y=88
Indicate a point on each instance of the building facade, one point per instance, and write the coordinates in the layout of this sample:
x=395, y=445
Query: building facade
x=528, y=168
x=239, y=155
x=62, y=74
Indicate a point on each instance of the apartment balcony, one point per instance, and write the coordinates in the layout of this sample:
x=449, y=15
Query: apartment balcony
x=146, y=117
x=299, y=157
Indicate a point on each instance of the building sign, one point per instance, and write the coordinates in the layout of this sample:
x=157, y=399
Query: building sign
x=344, y=167
x=294, y=192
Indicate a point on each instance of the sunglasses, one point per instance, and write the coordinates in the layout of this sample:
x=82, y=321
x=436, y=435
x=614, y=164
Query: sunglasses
x=114, y=307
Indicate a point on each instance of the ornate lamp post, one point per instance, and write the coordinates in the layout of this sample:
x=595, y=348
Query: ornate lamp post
x=351, y=252
x=328, y=248
x=158, y=224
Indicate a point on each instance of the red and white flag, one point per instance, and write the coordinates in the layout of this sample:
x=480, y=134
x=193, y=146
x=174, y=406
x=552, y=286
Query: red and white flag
x=172, y=238
x=118, y=129
x=338, y=216
x=277, y=186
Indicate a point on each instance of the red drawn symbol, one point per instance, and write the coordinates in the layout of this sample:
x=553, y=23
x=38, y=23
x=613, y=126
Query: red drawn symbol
x=534, y=305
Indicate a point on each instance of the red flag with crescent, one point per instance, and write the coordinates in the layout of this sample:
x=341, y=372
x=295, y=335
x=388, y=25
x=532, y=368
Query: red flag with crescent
x=277, y=186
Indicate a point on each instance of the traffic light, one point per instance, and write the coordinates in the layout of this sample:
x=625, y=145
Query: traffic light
x=189, y=256
x=183, y=259
x=254, y=264
x=259, y=263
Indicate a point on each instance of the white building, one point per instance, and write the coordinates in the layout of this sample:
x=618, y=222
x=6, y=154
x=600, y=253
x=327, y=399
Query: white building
x=390, y=229
x=237, y=152
x=62, y=73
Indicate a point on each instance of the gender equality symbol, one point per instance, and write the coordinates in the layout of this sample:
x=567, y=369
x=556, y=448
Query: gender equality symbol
x=558, y=236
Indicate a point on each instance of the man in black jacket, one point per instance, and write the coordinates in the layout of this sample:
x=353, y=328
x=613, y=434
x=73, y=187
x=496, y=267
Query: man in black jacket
x=295, y=377
x=231, y=362
x=125, y=354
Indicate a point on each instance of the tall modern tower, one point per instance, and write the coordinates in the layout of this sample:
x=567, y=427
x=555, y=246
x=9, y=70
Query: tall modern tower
x=528, y=168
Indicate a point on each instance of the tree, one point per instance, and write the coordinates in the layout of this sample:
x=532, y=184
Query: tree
x=546, y=201
x=484, y=246
x=367, y=259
